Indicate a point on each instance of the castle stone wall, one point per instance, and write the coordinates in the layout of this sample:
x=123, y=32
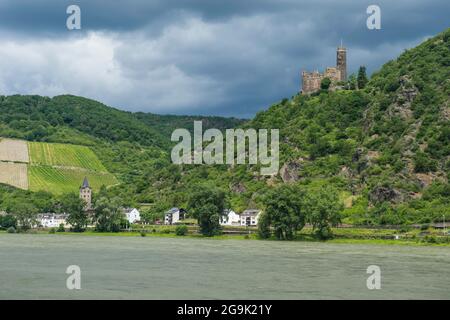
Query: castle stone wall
x=311, y=80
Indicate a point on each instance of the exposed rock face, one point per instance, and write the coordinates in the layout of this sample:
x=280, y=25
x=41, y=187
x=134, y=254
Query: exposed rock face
x=405, y=96
x=373, y=155
x=445, y=113
x=358, y=154
x=345, y=172
x=382, y=194
x=364, y=159
x=289, y=172
x=424, y=179
x=272, y=181
x=238, y=187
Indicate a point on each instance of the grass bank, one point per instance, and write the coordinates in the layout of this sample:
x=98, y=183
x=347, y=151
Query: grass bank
x=342, y=235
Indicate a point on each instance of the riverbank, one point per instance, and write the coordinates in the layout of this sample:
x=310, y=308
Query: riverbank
x=413, y=237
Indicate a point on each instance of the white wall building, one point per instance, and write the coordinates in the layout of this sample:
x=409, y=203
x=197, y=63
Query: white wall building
x=250, y=217
x=51, y=220
x=230, y=218
x=132, y=215
x=174, y=215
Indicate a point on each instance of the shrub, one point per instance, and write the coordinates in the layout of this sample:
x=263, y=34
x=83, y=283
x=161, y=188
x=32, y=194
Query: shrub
x=143, y=234
x=8, y=221
x=424, y=227
x=52, y=231
x=61, y=228
x=422, y=163
x=165, y=230
x=430, y=239
x=404, y=229
x=11, y=230
x=181, y=230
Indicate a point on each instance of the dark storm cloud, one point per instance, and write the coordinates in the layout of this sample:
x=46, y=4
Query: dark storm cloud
x=198, y=57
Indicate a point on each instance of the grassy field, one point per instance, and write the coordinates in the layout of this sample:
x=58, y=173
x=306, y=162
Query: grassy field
x=64, y=180
x=64, y=155
x=61, y=168
x=14, y=174
x=13, y=150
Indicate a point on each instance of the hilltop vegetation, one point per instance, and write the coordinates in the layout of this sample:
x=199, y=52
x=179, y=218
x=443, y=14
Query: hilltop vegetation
x=82, y=121
x=386, y=147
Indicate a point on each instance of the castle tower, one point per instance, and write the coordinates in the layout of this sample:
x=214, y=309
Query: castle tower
x=86, y=194
x=341, y=62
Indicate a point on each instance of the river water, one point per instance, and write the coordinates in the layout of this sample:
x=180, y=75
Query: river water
x=34, y=267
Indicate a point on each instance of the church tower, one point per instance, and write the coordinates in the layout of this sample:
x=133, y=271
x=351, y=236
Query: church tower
x=341, y=62
x=86, y=194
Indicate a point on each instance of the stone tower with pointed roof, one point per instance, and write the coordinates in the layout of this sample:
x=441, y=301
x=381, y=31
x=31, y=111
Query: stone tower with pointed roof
x=86, y=194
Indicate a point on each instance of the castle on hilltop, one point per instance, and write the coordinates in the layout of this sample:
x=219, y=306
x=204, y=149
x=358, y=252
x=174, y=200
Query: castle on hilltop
x=311, y=80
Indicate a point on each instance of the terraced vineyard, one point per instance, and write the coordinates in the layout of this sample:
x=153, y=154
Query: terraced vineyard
x=65, y=180
x=57, y=168
x=64, y=155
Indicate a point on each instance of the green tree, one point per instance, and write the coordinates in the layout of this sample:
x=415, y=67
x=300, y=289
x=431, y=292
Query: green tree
x=61, y=228
x=108, y=215
x=362, y=77
x=155, y=212
x=324, y=211
x=351, y=82
x=264, y=231
x=207, y=206
x=284, y=212
x=74, y=207
x=25, y=213
x=325, y=84
x=8, y=221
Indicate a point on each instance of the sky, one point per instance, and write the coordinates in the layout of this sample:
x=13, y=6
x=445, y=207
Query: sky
x=198, y=57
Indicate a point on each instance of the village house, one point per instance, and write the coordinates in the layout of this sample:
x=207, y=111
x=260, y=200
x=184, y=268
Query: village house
x=132, y=215
x=230, y=218
x=51, y=220
x=441, y=225
x=250, y=217
x=174, y=215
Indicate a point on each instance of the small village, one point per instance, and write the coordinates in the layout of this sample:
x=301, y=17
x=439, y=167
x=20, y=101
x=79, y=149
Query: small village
x=174, y=216
x=231, y=222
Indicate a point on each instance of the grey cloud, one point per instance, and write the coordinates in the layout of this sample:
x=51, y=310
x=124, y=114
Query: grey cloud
x=198, y=57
